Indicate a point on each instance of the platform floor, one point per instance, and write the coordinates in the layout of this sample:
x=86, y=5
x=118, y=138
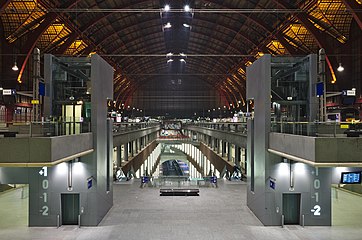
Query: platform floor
x=217, y=214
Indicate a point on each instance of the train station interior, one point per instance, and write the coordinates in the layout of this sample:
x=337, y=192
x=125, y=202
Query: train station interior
x=182, y=119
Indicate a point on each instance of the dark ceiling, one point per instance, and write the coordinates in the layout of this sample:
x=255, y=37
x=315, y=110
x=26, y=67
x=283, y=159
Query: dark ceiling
x=216, y=39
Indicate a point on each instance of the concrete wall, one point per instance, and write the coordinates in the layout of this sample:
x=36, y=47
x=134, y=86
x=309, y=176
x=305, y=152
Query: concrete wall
x=258, y=89
x=264, y=168
x=313, y=184
x=318, y=149
x=43, y=149
x=47, y=184
x=102, y=90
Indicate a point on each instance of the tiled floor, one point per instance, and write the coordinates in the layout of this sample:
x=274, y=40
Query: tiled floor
x=216, y=214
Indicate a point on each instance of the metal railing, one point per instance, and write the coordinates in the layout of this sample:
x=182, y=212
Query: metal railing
x=318, y=129
x=232, y=127
x=313, y=129
x=126, y=127
x=179, y=181
x=49, y=128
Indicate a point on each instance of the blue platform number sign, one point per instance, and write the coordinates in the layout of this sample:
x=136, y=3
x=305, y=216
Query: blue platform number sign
x=145, y=179
x=41, y=89
x=89, y=183
x=272, y=184
x=213, y=179
x=320, y=89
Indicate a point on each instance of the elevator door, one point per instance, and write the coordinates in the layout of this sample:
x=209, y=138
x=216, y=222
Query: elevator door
x=291, y=208
x=70, y=209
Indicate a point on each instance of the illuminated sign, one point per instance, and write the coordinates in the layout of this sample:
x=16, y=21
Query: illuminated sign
x=44, y=209
x=7, y=92
x=351, y=178
x=34, y=101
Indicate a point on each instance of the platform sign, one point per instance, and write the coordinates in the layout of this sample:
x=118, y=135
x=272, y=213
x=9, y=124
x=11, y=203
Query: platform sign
x=9, y=92
x=213, y=179
x=44, y=208
x=34, y=101
x=89, y=183
x=351, y=177
x=271, y=184
x=320, y=89
x=145, y=179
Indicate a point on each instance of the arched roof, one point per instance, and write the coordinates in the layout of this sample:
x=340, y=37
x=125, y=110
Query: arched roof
x=220, y=38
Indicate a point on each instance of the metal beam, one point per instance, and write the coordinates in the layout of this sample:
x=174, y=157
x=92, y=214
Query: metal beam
x=291, y=49
x=34, y=36
x=61, y=50
x=3, y=5
x=355, y=9
x=323, y=39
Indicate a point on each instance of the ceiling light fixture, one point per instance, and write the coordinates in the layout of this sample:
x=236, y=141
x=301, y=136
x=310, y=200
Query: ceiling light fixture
x=186, y=25
x=15, y=67
x=168, y=25
x=170, y=54
x=187, y=8
x=182, y=60
x=167, y=8
x=170, y=60
x=182, y=54
x=340, y=68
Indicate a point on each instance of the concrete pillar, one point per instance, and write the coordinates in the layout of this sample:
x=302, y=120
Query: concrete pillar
x=132, y=148
x=237, y=155
x=223, y=148
x=230, y=147
x=118, y=156
x=125, y=152
x=219, y=146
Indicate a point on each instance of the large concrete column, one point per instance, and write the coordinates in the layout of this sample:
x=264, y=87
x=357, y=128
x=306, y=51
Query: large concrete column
x=230, y=147
x=125, y=152
x=237, y=155
x=137, y=145
x=131, y=148
x=141, y=143
x=118, y=156
x=223, y=148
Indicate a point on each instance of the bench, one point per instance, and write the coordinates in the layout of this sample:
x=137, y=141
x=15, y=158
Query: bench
x=179, y=192
x=8, y=133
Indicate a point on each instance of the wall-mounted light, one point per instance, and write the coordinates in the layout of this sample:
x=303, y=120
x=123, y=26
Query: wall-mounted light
x=15, y=67
x=186, y=25
x=169, y=60
x=187, y=8
x=167, y=25
x=170, y=54
x=340, y=68
x=182, y=60
x=167, y=8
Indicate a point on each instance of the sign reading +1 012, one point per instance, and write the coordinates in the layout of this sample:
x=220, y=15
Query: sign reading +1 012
x=44, y=209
